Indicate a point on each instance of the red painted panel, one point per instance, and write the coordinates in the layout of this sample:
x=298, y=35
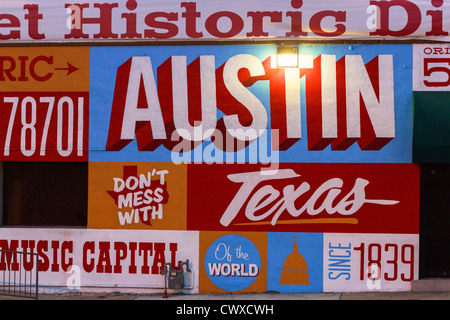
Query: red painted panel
x=326, y=197
x=44, y=126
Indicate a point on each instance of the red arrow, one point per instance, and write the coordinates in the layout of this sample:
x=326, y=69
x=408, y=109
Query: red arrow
x=70, y=68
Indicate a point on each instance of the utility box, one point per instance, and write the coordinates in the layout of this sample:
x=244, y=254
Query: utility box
x=174, y=278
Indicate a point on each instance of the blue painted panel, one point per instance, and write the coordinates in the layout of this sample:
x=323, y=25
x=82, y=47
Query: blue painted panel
x=104, y=62
x=295, y=262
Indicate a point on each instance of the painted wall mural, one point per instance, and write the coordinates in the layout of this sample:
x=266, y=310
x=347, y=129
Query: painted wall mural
x=44, y=98
x=194, y=104
x=232, y=262
x=289, y=180
x=88, y=20
x=305, y=197
x=307, y=262
x=365, y=262
x=144, y=195
x=78, y=258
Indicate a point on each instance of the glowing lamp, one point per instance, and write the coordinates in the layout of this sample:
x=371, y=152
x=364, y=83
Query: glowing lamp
x=287, y=57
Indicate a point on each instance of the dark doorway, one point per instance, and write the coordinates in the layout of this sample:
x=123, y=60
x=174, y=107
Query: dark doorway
x=45, y=193
x=435, y=221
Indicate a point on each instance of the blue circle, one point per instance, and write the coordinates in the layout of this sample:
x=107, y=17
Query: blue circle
x=232, y=262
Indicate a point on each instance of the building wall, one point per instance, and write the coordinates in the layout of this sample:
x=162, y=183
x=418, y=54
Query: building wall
x=291, y=180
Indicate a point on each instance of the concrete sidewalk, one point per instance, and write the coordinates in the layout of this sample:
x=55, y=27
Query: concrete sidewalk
x=311, y=296
x=403, y=295
x=424, y=289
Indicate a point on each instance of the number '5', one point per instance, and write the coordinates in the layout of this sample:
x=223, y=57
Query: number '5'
x=428, y=71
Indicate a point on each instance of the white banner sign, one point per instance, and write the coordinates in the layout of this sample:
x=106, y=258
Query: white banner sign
x=137, y=20
x=76, y=258
x=431, y=71
x=370, y=262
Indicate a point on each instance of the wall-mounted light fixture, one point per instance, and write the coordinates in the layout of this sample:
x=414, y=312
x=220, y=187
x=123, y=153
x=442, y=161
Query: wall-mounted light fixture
x=287, y=57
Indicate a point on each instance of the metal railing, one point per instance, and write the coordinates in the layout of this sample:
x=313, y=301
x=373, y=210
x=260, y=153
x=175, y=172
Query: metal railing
x=19, y=274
